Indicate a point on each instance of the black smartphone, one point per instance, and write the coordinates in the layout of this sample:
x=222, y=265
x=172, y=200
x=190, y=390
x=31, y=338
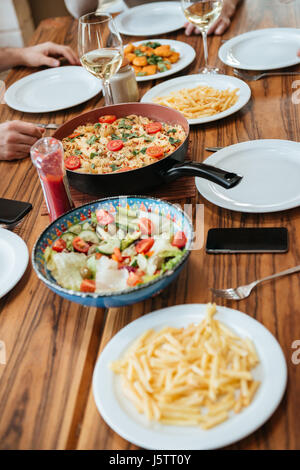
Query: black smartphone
x=12, y=211
x=247, y=240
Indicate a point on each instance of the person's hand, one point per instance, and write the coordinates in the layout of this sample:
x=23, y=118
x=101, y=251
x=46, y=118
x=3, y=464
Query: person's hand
x=16, y=138
x=221, y=24
x=46, y=54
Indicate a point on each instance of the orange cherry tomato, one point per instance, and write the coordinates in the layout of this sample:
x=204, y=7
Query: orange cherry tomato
x=59, y=245
x=72, y=163
x=88, y=285
x=153, y=127
x=133, y=279
x=179, y=239
x=107, y=119
x=115, y=145
x=155, y=151
x=143, y=246
x=72, y=136
x=118, y=255
x=80, y=245
x=104, y=217
x=146, y=226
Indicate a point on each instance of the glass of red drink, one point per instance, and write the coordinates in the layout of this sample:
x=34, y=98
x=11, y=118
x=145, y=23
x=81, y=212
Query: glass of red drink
x=48, y=157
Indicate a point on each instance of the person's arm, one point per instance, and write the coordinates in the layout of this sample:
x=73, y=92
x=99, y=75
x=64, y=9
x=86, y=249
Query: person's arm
x=78, y=8
x=16, y=139
x=35, y=56
x=221, y=24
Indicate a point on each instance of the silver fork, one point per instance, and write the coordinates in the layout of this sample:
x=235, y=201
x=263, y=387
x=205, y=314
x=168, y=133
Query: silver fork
x=242, y=292
x=258, y=76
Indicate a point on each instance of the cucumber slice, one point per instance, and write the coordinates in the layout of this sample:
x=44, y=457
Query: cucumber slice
x=89, y=236
x=76, y=229
x=107, y=248
x=87, y=226
x=68, y=236
x=102, y=234
x=127, y=212
x=129, y=239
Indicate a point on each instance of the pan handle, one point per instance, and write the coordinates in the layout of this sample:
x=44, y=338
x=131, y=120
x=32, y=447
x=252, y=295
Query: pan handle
x=216, y=175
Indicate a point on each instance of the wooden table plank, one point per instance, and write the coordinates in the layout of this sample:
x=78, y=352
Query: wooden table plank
x=45, y=388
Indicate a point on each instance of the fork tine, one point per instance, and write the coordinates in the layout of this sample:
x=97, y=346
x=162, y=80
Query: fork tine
x=225, y=293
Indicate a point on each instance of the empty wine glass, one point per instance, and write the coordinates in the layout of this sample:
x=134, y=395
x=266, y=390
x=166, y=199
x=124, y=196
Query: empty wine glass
x=203, y=13
x=100, y=48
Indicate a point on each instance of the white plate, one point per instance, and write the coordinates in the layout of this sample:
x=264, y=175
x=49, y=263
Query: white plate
x=123, y=418
x=187, y=55
x=52, y=89
x=151, y=19
x=270, y=170
x=13, y=260
x=263, y=49
x=221, y=82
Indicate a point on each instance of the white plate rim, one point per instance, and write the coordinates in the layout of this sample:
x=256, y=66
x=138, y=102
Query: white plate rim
x=245, y=93
x=10, y=92
x=22, y=255
x=139, y=435
x=223, y=51
x=185, y=62
x=203, y=187
x=137, y=9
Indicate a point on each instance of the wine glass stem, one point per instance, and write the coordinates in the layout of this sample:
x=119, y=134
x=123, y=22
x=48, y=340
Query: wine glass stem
x=205, y=49
x=107, y=93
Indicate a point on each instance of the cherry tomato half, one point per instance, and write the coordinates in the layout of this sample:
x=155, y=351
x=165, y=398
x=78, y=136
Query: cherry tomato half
x=133, y=279
x=155, y=151
x=88, y=285
x=143, y=246
x=72, y=136
x=104, y=217
x=72, y=163
x=59, y=245
x=179, y=239
x=80, y=245
x=115, y=145
x=153, y=127
x=107, y=119
x=146, y=226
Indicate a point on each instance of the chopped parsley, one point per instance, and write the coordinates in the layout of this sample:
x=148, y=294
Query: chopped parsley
x=123, y=125
x=135, y=152
x=143, y=150
x=77, y=152
x=172, y=131
x=94, y=154
x=72, y=140
x=93, y=166
x=97, y=125
x=114, y=137
x=174, y=141
x=114, y=167
x=92, y=140
x=138, y=53
x=153, y=45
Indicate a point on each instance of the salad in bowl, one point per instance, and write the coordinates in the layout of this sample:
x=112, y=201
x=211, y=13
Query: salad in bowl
x=114, y=251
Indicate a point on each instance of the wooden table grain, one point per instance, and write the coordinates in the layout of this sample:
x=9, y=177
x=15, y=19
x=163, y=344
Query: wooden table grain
x=52, y=345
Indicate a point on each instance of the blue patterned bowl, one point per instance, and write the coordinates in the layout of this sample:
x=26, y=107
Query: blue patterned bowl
x=82, y=213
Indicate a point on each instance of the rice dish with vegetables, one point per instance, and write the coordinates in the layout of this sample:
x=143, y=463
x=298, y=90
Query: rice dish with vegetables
x=115, y=252
x=113, y=145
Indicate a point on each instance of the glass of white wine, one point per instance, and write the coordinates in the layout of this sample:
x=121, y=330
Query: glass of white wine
x=203, y=13
x=100, y=48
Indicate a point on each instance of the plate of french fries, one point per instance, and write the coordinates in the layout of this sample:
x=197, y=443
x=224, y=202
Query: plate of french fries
x=201, y=98
x=158, y=58
x=189, y=377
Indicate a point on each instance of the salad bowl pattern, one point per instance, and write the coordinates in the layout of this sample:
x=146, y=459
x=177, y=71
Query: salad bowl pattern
x=83, y=213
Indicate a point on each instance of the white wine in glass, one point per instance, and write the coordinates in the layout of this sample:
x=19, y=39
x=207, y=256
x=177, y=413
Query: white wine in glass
x=100, y=48
x=203, y=13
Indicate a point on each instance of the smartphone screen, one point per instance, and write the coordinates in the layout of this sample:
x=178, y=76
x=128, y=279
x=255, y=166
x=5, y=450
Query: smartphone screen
x=11, y=211
x=247, y=240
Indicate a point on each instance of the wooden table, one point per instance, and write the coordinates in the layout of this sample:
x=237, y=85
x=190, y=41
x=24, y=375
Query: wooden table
x=52, y=345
